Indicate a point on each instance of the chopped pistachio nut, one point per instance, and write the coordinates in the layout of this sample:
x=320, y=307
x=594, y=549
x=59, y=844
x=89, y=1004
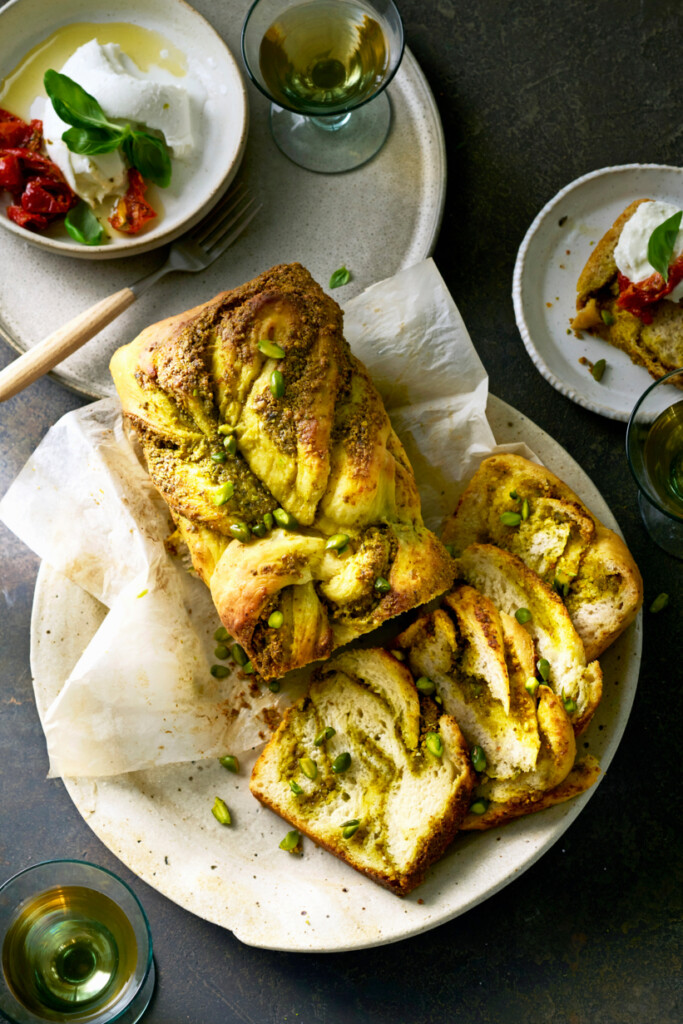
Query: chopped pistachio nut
x=276, y=619
x=220, y=812
x=325, y=734
x=399, y=655
x=239, y=655
x=230, y=762
x=295, y=787
x=218, y=456
x=221, y=652
x=220, y=671
x=525, y=509
x=479, y=806
x=659, y=603
x=531, y=685
x=221, y=634
x=277, y=384
x=225, y=429
x=570, y=706
x=230, y=445
x=223, y=493
x=285, y=519
x=543, y=666
x=478, y=758
x=308, y=767
x=607, y=317
x=270, y=349
x=434, y=744
x=514, y=495
x=382, y=585
x=341, y=763
x=268, y=521
x=337, y=542
x=350, y=827
x=291, y=841
x=240, y=532
x=259, y=530
x=425, y=685
x=274, y=686
x=248, y=669
x=510, y=518
x=598, y=369
x=523, y=615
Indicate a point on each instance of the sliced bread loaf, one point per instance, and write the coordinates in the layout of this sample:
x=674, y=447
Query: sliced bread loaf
x=354, y=767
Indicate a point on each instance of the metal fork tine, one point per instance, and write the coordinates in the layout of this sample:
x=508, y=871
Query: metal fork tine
x=229, y=201
x=222, y=244
x=226, y=222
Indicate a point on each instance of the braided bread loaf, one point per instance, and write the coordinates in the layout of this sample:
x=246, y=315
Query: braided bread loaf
x=274, y=452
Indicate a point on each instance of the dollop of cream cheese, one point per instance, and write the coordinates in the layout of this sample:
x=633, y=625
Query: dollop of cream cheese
x=125, y=95
x=630, y=253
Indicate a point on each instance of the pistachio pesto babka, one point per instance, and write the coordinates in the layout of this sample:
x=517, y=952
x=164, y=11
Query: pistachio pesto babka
x=282, y=472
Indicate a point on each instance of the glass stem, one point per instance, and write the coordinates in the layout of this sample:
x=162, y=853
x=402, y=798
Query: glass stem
x=331, y=123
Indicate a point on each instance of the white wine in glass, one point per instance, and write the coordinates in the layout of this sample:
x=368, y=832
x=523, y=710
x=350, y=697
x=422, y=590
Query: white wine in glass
x=325, y=65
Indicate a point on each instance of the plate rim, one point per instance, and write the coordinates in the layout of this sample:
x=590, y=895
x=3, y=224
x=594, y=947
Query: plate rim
x=79, y=789
x=517, y=280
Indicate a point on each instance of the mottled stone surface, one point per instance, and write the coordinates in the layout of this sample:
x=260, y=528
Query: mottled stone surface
x=532, y=95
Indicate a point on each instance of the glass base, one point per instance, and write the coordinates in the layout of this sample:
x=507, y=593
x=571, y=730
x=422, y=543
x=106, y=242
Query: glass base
x=343, y=144
x=666, y=532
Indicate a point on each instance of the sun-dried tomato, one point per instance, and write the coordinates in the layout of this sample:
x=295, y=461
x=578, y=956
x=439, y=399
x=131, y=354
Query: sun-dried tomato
x=132, y=211
x=38, y=187
x=47, y=196
x=15, y=132
x=11, y=174
x=26, y=219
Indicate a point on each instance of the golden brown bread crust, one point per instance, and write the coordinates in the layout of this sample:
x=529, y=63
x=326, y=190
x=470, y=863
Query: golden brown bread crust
x=323, y=451
x=604, y=588
x=408, y=803
x=658, y=346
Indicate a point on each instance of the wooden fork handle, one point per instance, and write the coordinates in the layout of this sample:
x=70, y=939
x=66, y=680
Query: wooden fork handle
x=56, y=347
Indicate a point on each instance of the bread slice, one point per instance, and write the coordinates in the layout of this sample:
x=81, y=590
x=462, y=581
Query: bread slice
x=408, y=802
x=529, y=751
x=509, y=739
x=658, y=345
x=511, y=586
x=561, y=540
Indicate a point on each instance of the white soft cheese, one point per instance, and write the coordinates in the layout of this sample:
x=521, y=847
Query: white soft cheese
x=630, y=253
x=127, y=95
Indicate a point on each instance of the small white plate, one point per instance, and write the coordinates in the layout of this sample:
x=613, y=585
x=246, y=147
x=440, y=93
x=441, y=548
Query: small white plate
x=159, y=823
x=549, y=261
x=197, y=183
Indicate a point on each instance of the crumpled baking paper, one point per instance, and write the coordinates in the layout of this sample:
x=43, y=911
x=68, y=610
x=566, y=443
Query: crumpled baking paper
x=142, y=693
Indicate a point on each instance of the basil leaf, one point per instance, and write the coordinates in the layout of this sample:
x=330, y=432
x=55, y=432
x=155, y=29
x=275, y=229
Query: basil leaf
x=661, y=244
x=92, y=140
x=340, y=277
x=73, y=104
x=150, y=156
x=83, y=225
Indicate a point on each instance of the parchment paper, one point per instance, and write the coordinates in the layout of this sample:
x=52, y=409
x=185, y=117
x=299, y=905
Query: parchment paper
x=142, y=693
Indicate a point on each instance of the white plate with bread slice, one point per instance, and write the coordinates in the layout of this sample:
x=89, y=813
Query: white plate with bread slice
x=159, y=822
x=551, y=258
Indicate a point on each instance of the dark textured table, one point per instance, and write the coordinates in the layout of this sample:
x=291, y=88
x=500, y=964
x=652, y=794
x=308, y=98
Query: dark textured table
x=532, y=94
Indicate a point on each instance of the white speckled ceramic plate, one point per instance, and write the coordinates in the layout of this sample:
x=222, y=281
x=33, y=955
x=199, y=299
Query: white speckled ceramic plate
x=220, y=124
x=549, y=261
x=159, y=822
x=375, y=220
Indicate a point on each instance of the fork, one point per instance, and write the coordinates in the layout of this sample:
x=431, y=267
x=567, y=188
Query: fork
x=195, y=251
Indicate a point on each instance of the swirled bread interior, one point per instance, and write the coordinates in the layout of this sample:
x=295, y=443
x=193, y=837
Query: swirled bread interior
x=274, y=452
x=402, y=802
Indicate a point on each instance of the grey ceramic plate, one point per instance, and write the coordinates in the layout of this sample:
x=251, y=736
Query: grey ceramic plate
x=159, y=822
x=549, y=261
x=375, y=220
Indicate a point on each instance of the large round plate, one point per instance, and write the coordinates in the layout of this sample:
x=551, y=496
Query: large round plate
x=376, y=220
x=197, y=183
x=159, y=822
x=549, y=261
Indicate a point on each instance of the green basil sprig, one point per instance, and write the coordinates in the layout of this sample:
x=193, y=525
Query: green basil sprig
x=83, y=225
x=340, y=277
x=92, y=133
x=661, y=244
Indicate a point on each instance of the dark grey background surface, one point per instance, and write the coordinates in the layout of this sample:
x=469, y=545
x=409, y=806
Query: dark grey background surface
x=532, y=94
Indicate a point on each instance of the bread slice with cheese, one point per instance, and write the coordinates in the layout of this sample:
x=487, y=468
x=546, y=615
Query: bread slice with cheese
x=558, y=537
x=507, y=581
x=391, y=808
